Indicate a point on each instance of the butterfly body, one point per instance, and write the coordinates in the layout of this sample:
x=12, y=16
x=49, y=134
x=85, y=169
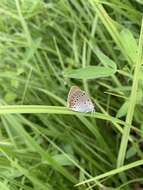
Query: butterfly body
x=78, y=100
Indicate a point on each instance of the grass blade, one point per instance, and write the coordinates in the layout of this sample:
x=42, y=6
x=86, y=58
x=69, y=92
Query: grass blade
x=132, y=102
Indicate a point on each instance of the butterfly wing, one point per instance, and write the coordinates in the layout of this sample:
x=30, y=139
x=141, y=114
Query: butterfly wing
x=72, y=91
x=78, y=100
x=71, y=95
x=84, y=103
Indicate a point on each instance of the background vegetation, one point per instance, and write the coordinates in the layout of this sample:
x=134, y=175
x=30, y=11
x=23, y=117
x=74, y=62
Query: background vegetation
x=45, y=48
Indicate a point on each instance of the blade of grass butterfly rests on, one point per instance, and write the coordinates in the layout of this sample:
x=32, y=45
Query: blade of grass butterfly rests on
x=78, y=100
x=90, y=72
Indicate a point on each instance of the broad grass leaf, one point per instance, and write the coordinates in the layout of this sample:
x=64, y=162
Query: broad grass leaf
x=131, y=152
x=90, y=72
x=105, y=60
x=123, y=110
x=130, y=44
x=63, y=160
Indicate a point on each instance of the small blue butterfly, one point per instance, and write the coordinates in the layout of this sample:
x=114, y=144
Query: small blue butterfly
x=78, y=100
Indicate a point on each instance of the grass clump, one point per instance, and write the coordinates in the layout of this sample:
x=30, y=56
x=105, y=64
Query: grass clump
x=46, y=47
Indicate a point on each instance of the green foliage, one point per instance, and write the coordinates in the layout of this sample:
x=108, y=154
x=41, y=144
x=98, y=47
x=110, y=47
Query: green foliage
x=130, y=44
x=90, y=72
x=45, y=48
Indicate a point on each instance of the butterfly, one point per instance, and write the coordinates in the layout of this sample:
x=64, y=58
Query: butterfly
x=79, y=100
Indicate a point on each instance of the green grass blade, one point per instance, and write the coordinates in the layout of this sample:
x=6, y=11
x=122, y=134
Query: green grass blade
x=113, y=172
x=132, y=102
x=90, y=72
